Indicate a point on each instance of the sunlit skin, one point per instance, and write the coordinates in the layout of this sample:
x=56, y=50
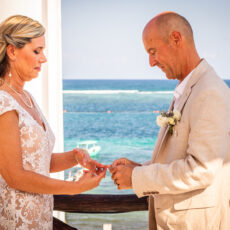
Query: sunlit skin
x=174, y=54
x=26, y=62
x=162, y=55
x=121, y=170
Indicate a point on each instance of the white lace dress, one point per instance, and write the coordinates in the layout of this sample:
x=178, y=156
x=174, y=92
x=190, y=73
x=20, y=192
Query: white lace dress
x=21, y=210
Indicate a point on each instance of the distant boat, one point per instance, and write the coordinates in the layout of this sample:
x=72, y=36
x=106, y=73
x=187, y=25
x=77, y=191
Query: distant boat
x=91, y=146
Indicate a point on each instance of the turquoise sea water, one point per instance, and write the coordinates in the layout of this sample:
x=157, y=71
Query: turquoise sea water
x=129, y=130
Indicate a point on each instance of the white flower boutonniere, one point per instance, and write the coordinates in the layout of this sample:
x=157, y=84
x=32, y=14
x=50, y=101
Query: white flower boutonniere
x=169, y=118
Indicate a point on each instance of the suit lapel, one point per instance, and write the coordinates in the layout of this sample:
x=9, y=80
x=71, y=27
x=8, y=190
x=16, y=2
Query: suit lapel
x=195, y=77
x=161, y=136
x=198, y=72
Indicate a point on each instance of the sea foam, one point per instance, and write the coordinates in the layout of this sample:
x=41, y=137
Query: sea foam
x=114, y=92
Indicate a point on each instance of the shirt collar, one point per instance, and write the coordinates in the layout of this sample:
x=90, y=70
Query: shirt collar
x=180, y=87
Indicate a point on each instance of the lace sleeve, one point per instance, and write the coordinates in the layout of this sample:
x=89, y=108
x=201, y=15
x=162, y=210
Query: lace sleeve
x=7, y=103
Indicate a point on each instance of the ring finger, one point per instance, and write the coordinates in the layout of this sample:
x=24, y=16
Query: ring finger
x=116, y=182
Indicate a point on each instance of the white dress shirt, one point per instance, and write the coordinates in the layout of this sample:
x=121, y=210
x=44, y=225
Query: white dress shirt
x=180, y=89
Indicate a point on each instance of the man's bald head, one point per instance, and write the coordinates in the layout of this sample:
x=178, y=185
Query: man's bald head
x=168, y=40
x=167, y=22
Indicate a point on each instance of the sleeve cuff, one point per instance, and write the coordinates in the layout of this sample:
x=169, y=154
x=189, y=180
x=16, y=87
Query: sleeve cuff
x=137, y=181
x=146, y=163
x=141, y=184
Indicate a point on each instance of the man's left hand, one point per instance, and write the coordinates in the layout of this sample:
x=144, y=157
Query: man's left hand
x=122, y=176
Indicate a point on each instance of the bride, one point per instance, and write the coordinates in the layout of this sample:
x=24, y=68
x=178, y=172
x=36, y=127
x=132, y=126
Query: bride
x=26, y=140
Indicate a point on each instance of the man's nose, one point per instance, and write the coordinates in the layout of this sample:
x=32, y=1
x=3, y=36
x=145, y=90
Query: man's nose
x=152, y=61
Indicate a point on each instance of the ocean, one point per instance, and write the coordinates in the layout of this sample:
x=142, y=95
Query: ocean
x=121, y=116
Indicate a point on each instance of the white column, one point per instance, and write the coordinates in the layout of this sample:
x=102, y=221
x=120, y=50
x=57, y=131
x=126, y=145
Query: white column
x=52, y=97
x=47, y=88
x=52, y=84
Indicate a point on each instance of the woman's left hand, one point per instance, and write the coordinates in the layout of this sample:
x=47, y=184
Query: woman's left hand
x=84, y=159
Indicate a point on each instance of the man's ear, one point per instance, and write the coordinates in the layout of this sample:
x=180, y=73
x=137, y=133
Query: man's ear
x=11, y=52
x=176, y=38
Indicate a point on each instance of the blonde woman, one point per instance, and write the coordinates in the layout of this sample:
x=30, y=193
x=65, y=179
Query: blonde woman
x=26, y=140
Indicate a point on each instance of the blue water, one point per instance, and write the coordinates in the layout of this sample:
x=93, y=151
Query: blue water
x=129, y=130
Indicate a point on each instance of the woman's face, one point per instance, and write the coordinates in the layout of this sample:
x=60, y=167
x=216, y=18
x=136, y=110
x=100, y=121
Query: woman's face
x=28, y=60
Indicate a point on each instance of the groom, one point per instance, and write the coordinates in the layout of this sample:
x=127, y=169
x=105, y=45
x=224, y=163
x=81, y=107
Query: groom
x=187, y=178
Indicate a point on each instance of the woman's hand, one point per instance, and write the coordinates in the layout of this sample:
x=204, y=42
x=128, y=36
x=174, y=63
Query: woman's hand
x=90, y=180
x=84, y=159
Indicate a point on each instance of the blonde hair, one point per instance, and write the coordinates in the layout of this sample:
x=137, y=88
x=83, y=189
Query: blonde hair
x=16, y=30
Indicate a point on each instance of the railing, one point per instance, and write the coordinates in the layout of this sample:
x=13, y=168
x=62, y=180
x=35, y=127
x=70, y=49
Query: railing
x=89, y=203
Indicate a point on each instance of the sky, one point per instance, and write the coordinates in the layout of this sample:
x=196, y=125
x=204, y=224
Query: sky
x=102, y=39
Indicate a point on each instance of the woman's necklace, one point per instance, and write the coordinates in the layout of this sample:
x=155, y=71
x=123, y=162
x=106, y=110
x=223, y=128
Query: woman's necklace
x=20, y=95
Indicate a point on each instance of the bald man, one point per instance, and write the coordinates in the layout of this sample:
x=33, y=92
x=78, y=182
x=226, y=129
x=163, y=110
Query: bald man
x=187, y=178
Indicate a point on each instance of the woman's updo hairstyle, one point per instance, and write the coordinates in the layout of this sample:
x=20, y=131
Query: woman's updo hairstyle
x=16, y=30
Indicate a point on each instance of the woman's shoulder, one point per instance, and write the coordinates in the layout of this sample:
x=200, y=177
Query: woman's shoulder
x=7, y=102
x=4, y=95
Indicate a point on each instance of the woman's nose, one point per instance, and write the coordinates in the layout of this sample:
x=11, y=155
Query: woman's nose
x=43, y=59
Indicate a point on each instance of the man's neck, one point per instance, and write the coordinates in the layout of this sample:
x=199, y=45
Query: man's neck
x=190, y=64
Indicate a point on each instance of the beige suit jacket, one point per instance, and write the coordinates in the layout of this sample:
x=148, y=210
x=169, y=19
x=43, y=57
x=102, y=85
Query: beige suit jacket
x=187, y=178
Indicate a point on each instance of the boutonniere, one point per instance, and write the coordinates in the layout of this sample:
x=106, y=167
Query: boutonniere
x=169, y=118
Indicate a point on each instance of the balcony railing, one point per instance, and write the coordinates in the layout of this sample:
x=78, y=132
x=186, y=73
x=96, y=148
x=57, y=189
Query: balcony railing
x=90, y=203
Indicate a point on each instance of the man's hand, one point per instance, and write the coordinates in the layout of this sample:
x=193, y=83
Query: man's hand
x=123, y=161
x=84, y=159
x=122, y=176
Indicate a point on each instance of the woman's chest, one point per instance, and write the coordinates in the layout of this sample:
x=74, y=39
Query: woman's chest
x=36, y=144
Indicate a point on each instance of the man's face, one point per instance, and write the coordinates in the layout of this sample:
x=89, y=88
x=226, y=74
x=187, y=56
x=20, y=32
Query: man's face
x=161, y=53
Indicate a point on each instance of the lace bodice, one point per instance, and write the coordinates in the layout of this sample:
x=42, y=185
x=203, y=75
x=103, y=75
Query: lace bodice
x=22, y=210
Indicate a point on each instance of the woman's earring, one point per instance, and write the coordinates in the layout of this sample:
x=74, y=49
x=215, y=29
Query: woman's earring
x=10, y=75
